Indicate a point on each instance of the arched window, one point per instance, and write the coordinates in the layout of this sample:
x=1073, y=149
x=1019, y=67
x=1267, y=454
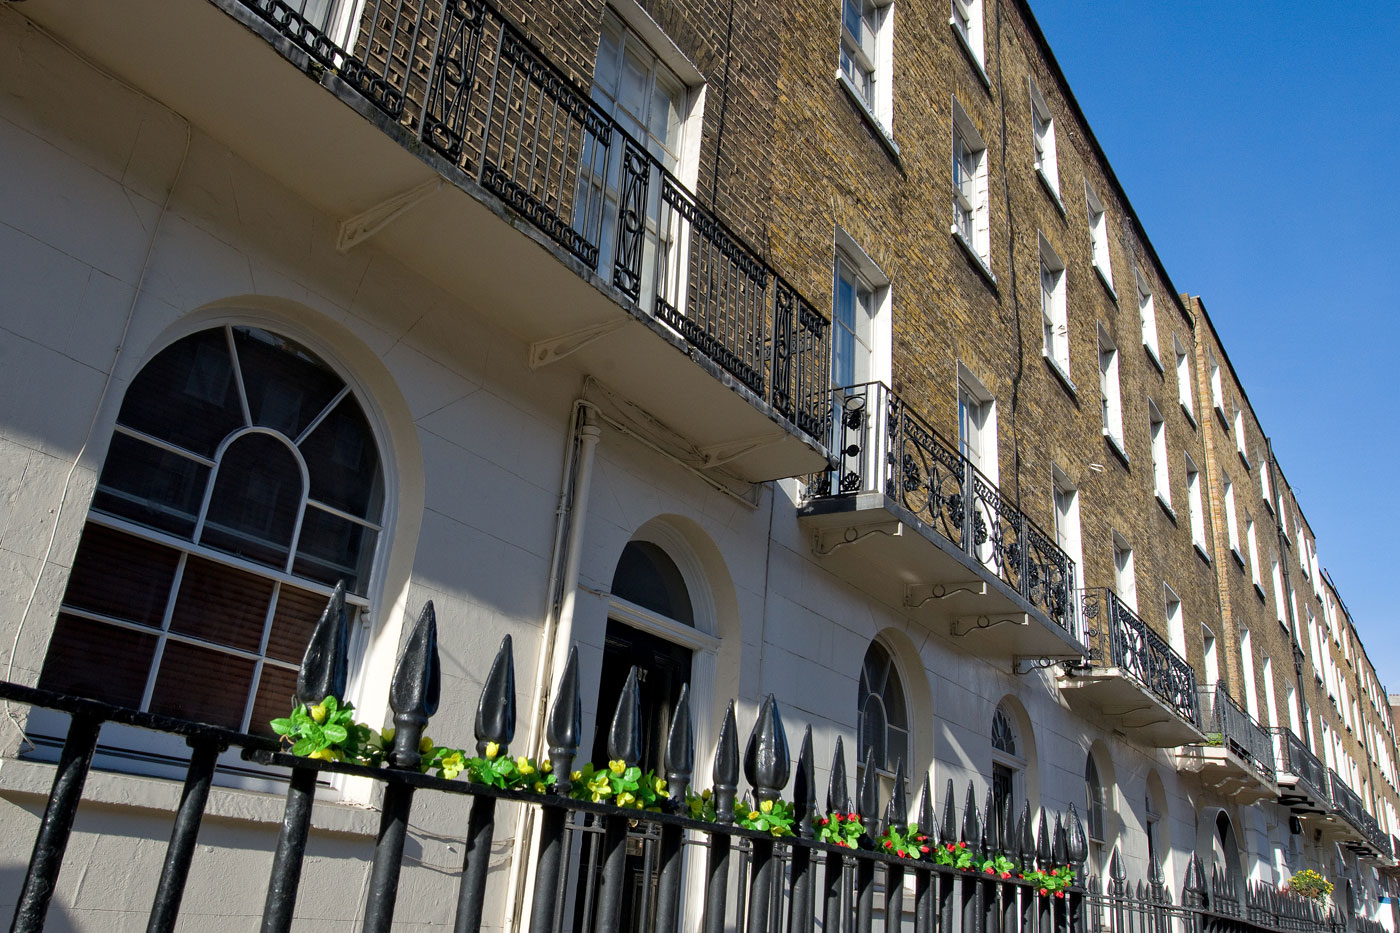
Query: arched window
x=646, y=575
x=882, y=722
x=1008, y=762
x=1094, y=811
x=242, y=482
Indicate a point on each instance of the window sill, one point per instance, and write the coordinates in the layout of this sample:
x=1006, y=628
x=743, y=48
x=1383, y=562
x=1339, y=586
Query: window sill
x=1190, y=417
x=876, y=125
x=1239, y=558
x=1268, y=505
x=1263, y=598
x=1105, y=282
x=1248, y=467
x=1224, y=419
x=1116, y=446
x=1052, y=192
x=34, y=780
x=1201, y=551
x=1167, y=508
x=1065, y=381
x=972, y=56
x=972, y=254
x=1155, y=360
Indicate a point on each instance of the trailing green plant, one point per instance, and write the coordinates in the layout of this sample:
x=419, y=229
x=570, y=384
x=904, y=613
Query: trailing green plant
x=906, y=843
x=700, y=806
x=620, y=784
x=956, y=855
x=1308, y=883
x=327, y=731
x=998, y=865
x=774, y=817
x=839, y=829
x=1052, y=881
x=492, y=768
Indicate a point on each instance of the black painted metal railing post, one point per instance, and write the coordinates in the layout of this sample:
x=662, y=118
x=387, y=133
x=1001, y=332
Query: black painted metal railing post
x=52, y=840
x=180, y=852
x=897, y=818
x=947, y=836
x=971, y=893
x=413, y=696
x=833, y=877
x=1025, y=854
x=924, y=895
x=766, y=767
x=1043, y=855
x=726, y=778
x=562, y=733
x=680, y=760
x=494, y=729
x=986, y=883
x=801, y=915
x=324, y=672
x=625, y=745
x=868, y=806
x=1077, y=850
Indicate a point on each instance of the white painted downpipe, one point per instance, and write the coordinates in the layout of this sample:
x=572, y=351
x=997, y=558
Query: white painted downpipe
x=584, y=434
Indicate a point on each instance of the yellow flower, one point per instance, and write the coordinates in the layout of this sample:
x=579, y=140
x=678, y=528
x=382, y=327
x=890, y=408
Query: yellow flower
x=705, y=794
x=575, y=775
x=753, y=814
x=661, y=787
x=322, y=754
x=625, y=799
x=617, y=767
x=539, y=787
x=452, y=765
x=766, y=806
x=425, y=745
x=318, y=713
x=387, y=734
x=522, y=764
x=492, y=750
x=599, y=787
x=546, y=766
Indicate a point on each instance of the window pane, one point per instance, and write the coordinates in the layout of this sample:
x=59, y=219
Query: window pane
x=221, y=604
x=332, y=549
x=104, y=662
x=253, y=507
x=187, y=394
x=292, y=621
x=344, y=463
x=151, y=486
x=287, y=385
x=119, y=575
x=276, y=696
x=202, y=685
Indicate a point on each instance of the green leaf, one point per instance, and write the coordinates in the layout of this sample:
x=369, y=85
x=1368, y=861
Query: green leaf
x=304, y=747
x=282, y=726
x=334, y=734
x=331, y=704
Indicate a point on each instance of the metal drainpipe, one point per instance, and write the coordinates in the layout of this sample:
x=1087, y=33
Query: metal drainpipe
x=584, y=435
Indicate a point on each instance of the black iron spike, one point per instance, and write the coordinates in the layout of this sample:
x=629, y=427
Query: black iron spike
x=1042, y=842
x=925, y=820
x=897, y=809
x=1078, y=843
x=971, y=828
x=1141, y=891
x=495, y=712
x=1018, y=848
x=726, y=770
x=1006, y=842
x=837, y=800
x=948, y=831
x=325, y=667
x=415, y=689
x=565, y=724
x=766, y=762
x=986, y=843
x=1154, y=870
x=1191, y=891
x=1115, y=866
x=804, y=787
x=680, y=750
x=625, y=735
x=868, y=795
x=1025, y=830
x=1061, y=855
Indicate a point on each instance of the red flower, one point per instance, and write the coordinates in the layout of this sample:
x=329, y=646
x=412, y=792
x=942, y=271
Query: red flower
x=923, y=849
x=1005, y=875
x=825, y=821
x=841, y=844
x=888, y=844
x=951, y=847
x=1044, y=891
x=962, y=845
x=837, y=817
x=1060, y=894
x=853, y=816
x=990, y=870
x=1054, y=872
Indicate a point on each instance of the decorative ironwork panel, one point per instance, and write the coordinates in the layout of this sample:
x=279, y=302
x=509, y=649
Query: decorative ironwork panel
x=631, y=219
x=1142, y=654
x=928, y=477
x=446, y=113
x=1050, y=582
x=998, y=532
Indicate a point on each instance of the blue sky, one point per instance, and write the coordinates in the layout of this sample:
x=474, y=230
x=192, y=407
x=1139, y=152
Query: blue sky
x=1260, y=144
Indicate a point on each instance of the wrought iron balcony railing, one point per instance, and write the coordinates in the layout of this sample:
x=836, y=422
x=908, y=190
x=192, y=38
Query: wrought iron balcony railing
x=1295, y=758
x=468, y=85
x=1116, y=637
x=882, y=445
x=1351, y=808
x=1237, y=731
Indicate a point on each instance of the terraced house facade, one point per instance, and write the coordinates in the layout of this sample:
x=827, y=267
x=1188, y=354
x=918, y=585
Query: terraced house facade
x=810, y=351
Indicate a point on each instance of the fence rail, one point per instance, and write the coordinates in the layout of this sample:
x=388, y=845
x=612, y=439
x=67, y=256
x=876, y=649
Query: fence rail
x=1350, y=807
x=467, y=83
x=1118, y=638
x=881, y=444
x=779, y=883
x=1295, y=758
x=1237, y=731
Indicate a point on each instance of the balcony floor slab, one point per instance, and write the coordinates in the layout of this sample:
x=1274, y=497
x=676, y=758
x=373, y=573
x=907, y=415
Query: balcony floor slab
x=1129, y=707
x=1227, y=773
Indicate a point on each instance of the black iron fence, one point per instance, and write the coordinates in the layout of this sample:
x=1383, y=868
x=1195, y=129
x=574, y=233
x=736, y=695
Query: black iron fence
x=468, y=84
x=1349, y=806
x=1296, y=759
x=1117, y=638
x=882, y=445
x=1227, y=724
x=1003, y=876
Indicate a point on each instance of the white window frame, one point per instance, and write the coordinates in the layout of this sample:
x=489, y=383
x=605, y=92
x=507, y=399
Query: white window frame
x=966, y=18
x=1280, y=607
x=1217, y=389
x=1161, y=476
x=1196, y=506
x=1054, y=313
x=1271, y=718
x=971, y=224
x=977, y=424
x=1251, y=538
x=1111, y=392
x=869, y=57
x=1241, y=442
x=1147, y=311
x=1266, y=490
x=1124, y=572
x=1232, y=529
x=1248, y=676
x=1098, y=235
x=1184, y=377
x=876, y=345
x=1176, y=622
x=1210, y=653
x=1068, y=530
x=1043, y=139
